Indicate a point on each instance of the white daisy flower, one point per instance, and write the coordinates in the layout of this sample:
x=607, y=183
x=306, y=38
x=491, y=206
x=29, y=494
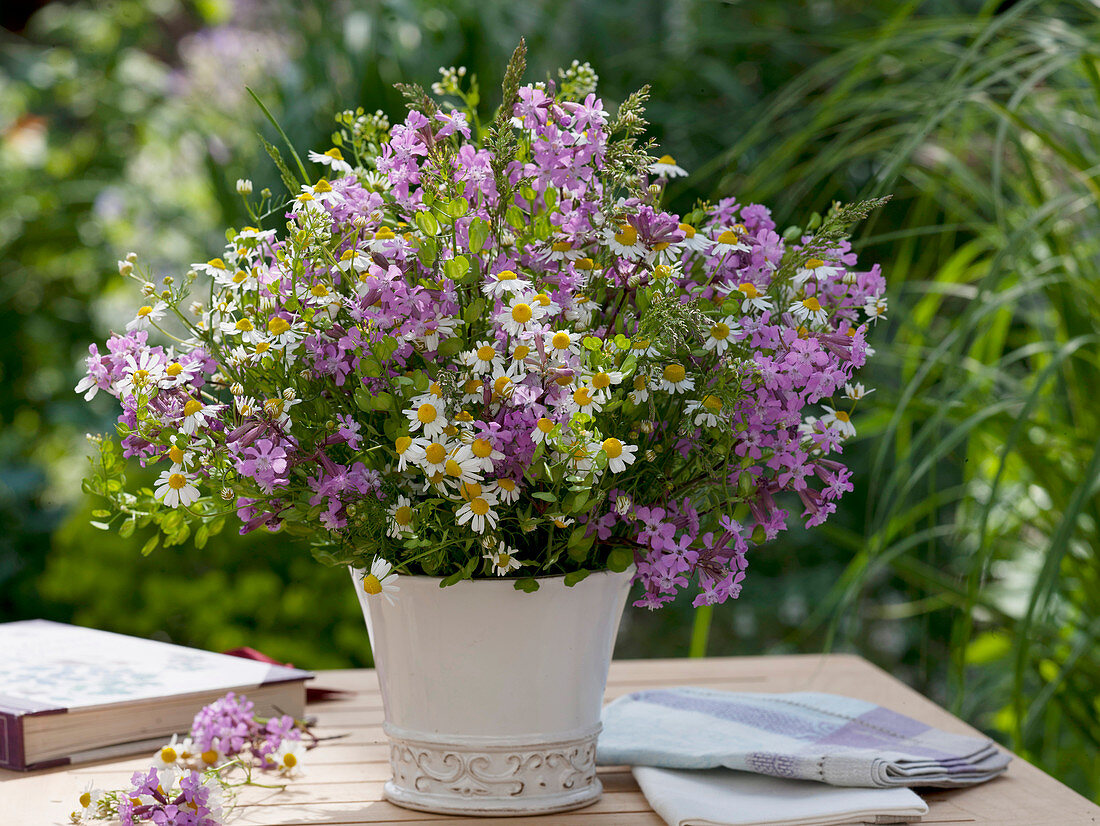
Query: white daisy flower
x=644, y=347
x=640, y=393
x=718, y=336
x=581, y=310
x=809, y=309
x=216, y=268
x=707, y=412
x=381, y=579
x=674, y=379
x=753, y=300
x=581, y=400
x=875, y=309
x=473, y=391
x=601, y=383
x=401, y=517
x=694, y=240
x=462, y=466
x=560, y=344
x=429, y=415
x=247, y=278
x=89, y=802
x=333, y=159
x=623, y=241
x=176, y=374
x=543, y=428
x=814, y=270
x=175, y=489
x=385, y=240
x=504, y=283
x=731, y=240
x=288, y=757
x=181, y=459
x=196, y=415
x=561, y=249
x=175, y=751
x=504, y=489
x=353, y=260
x=247, y=406
x=147, y=316
x=618, y=455
x=549, y=306
x=146, y=371
x=666, y=167
x=242, y=327
x=580, y=456
x=434, y=458
x=485, y=453
x=521, y=314
x=484, y=358
x=840, y=419
x=278, y=408
x=856, y=391
x=321, y=193
x=503, y=559
x=410, y=449
x=478, y=511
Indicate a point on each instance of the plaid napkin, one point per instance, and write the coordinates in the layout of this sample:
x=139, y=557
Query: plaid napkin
x=807, y=736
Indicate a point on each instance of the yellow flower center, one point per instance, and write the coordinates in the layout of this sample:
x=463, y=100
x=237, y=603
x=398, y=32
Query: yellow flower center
x=812, y=304
x=601, y=380
x=711, y=402
x=675, y=373
x=262, y=347
x=239, y=276
x=584, y=264
x=660, y=245
x=521, y=352
x=666, y=160
x=688, y=230
x=582, y=397
x=506, y=275
x=144, y=311
x=86, y=799
x=627, y=235
x=486, y=352
x=748, y=290
x=426, y=413
x=176, y=455
x=174, y=369
x=319, y=290
x=167, y=755
x=403, y=515
x=384, y=234
x=640, y=383
x=277, y=325
x=192, y=407
x=470, y=490
x=290, y=761
x=506, y=485
x=323, y=186
x=544, y=424
x=613, y=448
x=842, y=416
x=561, y=341
x=500, y=386
x=720, y=331
x=639, y=343
x=561, y=246
x=503, y=560
x=335, y=153
x=564, y=380
x=402, y=444
x=453, y=468
x=472, y=386
x=521, y=313
x=482, y=448
x=371, y=585
x=217, y=263
x=814, y=263
x=177, y=481
x=662, y=271
x=479, y=506
x=543, y=299
x=245, y=326
x=435, y=453
x=140, y=376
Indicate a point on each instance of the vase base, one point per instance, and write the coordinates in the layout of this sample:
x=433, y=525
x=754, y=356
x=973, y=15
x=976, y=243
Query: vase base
x=512, y=806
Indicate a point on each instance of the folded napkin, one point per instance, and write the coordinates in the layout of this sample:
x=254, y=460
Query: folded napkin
x=720, y=797
x=806, y=736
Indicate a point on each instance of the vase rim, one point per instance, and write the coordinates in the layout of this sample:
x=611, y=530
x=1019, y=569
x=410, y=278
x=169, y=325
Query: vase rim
x=425, y=578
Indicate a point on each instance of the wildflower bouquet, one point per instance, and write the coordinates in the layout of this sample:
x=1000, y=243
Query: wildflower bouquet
x=478, y=348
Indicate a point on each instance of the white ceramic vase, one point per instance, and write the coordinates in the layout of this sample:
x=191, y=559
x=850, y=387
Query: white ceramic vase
x=492, y=696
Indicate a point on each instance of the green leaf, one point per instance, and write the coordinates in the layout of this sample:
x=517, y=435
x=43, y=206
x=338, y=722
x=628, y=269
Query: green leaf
x=592, y=343
x=100, y=513
x=516, y=217
x=619, y=560
x=449, y=347
x=103, y=526
x=126, y=529
x=148, y=547
x=427, y=223
x=479, y=233
x=456, y=267
x=545, y=496
x=362, y=398
x=574, y=577
x=474, y=311
x=528, y=584
x=282, y=134
x=457, y=208
x=427, y=251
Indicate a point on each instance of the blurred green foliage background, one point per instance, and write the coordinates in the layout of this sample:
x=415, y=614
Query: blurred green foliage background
x=966, y=560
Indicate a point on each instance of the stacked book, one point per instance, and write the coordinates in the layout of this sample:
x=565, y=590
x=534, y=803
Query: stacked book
x=71, y=694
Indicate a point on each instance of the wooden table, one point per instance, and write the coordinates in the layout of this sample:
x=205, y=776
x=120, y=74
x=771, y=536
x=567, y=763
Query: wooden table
x=344, y=781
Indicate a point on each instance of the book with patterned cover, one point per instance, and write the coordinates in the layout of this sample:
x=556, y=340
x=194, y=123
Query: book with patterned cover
x=69, y=693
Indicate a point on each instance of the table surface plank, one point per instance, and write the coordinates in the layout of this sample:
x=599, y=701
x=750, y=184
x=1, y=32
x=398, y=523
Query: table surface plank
x=343, y=783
